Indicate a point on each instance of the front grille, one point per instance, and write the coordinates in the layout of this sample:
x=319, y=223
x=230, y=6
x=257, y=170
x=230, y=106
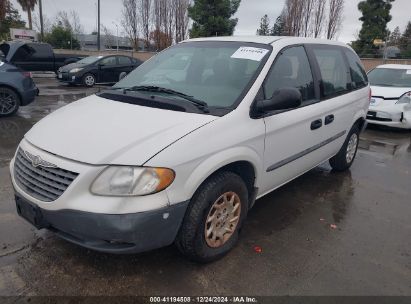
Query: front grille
x=43, y=183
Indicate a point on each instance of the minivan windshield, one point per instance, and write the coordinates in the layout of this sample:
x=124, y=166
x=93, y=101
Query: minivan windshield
x=89, y=60
x=390, y=77
x=213, y=72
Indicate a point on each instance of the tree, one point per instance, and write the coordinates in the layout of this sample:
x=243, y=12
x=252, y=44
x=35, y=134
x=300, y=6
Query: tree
x=395, y=37
x=293, y=17
x=318, y=17
x=28, y=6
x=308, y=7
x=375, y=16
x=161, y=39
x=405, y=41
x=213, y=18
x=61, y=38
x=11, y=19
x=131, y=21
x=279, y=26
x=181, y=19
x=109, y=39
x=264, y=29
x=145, y=13
x=3, y=7
x=335, y=11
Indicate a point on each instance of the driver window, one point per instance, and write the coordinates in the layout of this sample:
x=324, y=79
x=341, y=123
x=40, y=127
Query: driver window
x=109, y=61
x=291, y=69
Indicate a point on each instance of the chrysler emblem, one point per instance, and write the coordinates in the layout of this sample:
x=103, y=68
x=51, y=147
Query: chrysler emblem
x=37, y=161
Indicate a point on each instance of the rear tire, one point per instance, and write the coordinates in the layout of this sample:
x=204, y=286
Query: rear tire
x=9, y=102
x=214, y=217
x=345, y=157
x=89, y=80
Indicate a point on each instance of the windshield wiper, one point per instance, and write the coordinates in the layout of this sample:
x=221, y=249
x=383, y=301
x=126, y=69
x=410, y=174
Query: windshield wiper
x=199, y=103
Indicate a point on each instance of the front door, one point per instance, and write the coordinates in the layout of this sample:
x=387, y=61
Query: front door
x=296, y=140
x=107, y=70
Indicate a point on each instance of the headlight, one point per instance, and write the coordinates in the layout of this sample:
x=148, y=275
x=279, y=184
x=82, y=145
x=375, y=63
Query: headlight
x=406, y=98
x=76, y=70
x=131, y=181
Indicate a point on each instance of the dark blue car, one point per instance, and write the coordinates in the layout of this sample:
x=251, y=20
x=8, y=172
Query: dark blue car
x=17, y=89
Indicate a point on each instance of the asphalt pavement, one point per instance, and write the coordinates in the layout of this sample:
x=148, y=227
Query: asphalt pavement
x=325, y=233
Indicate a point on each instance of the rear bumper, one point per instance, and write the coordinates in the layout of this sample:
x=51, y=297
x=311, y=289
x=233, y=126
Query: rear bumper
x=111, y=233
x=28, y=96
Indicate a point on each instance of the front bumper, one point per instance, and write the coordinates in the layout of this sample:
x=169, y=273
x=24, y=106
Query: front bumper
x=111, y=233
x=396, y=116
x=69, y=78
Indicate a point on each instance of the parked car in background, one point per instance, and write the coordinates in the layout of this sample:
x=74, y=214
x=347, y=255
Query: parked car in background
x=93, y=70
x=390, y=104
x=17, y=89
x=179, y=150
x=35, y=56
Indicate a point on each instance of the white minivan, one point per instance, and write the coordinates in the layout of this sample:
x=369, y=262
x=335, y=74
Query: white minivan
x=180, y=149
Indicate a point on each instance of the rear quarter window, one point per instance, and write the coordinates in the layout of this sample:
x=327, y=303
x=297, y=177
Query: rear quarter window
x=358, y=76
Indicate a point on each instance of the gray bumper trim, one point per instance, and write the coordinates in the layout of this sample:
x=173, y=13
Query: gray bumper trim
x=112, y=233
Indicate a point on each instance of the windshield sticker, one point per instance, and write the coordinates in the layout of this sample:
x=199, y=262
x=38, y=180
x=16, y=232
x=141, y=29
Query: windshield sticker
x=250, y=53
x=408, y=72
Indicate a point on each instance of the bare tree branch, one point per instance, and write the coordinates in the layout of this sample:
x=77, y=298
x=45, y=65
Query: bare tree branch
x=335, y=15
x=318, y=17
x=130, y=21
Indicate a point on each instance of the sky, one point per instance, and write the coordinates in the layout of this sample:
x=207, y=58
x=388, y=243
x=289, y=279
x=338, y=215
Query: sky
x=248, y=14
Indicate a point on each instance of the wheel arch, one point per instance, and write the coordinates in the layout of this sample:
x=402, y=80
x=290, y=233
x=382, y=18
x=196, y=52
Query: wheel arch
x=3, y=85
x=244, y=165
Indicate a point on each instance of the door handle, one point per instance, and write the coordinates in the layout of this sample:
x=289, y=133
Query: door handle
x=329, y=119
x=316, y=124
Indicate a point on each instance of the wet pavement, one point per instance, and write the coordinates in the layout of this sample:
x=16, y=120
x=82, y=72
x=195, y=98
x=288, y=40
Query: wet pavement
x=368, y=252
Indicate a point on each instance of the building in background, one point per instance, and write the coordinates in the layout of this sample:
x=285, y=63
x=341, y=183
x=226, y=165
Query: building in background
x=88, y=42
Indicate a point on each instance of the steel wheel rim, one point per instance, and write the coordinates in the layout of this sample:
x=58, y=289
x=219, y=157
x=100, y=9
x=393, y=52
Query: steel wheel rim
x=8, y=102
x=89, y=80
x=222, y=219
x=351, y=148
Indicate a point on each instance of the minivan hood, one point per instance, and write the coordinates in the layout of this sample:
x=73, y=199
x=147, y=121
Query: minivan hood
x=388, y=92
x=98, y=131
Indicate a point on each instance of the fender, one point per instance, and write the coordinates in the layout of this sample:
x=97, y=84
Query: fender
x=206, y=167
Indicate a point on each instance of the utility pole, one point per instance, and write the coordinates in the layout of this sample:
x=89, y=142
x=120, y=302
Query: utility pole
x=41, y=21
x=98, y=25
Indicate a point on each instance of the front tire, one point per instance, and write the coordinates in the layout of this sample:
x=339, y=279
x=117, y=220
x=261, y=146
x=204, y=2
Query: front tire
x=345, y=157
x=89, y=80
x=214, y=217
x=9, y=102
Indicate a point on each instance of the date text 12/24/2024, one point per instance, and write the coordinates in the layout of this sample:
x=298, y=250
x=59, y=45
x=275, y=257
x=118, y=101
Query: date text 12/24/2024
x=203, y=299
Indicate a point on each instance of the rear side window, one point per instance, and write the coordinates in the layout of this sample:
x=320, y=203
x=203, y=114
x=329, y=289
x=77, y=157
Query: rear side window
x=358, y=75
x=40, y=50
x=124, y=60
x=291, y=69
x=334, y=72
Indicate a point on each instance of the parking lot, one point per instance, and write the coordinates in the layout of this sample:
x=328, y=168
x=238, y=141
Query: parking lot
x=323, y=234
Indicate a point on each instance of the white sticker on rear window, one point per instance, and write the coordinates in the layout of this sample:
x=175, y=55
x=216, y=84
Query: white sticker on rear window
x=250, y=53
x=408, y=72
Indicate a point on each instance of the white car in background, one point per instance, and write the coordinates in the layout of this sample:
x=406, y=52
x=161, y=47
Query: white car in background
x=390, y=104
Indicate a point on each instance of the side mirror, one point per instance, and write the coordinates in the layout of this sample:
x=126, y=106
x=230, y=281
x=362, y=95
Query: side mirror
x=100, y=65
x=282, y=99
